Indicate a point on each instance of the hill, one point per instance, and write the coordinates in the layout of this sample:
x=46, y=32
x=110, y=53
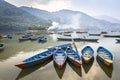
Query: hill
x=12, y=17
x=68, y=19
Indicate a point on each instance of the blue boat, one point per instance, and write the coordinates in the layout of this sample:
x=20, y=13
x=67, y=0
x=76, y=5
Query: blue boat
x=23, y=39
x=36, y=59
x=118, y=40
x=105, y=56
x=87, y=54
x=77, y=39
x=27, y=35
x=63, y=46
x=42, y=39
x=60, y=57
x=73, y=57
x=2, y=46
x=33, y=38
x=67, y=39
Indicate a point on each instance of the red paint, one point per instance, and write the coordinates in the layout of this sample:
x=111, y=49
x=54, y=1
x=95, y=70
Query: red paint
x=77, y=63
x=21, y=65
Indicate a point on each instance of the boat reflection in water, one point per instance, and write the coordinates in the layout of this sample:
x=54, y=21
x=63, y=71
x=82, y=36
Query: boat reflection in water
x=29, y=70
x=107, y=69
x=87, y=66
x=78, y=70
x=59, y=71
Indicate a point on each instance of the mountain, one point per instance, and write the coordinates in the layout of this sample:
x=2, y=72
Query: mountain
x=77, y=19
x=68, y=19
x=12, y=17
x=39, y=13
x=108, y=18
x=22, y=17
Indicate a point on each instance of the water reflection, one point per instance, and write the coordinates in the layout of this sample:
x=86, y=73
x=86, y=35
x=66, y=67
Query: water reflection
x=29, y=70
x=1, y=50
x=78, y=70
x=60, y=72
x=106, y=69
x=87, y=66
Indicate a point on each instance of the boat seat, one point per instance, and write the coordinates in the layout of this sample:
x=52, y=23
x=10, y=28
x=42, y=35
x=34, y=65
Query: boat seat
x=104, y=56
x=70, y=53
x=60, y=59
x=59, y=54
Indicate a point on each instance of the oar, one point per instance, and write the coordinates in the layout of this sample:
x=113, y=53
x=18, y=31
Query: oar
x=73, y=42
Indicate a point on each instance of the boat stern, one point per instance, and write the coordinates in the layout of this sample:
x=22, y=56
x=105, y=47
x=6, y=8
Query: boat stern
x=108, y=62
x=86, y=59
x=60, y=64
x=78, y=63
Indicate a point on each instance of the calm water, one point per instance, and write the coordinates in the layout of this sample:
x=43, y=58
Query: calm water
x=16, y=51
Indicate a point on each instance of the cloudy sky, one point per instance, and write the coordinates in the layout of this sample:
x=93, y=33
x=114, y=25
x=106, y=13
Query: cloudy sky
x=90, y=7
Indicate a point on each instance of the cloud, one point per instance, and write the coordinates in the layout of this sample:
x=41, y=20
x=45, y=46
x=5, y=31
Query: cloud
x=91, y=7
x=53, y=5
x=49, y=5
x=43, y=2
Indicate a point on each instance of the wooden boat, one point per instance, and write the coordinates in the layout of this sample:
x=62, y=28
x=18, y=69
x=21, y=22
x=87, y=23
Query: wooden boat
x=9, y=37
x=73, y=57
x=33, y=38
x=5, y=36
x=94, y=34
x=104, y=32
x=77, y=39
x=112, y=35
x=105, y=56
x=2, y=46
x=23, y=39
x=63, y=46
x=81, y=32
x=36, y=59
x=42, y=39
x=87, y=54
x=28, y=35
x=67, y=39
x=60, y=57
x=88, y=39
x=118, y=40
x=66, y=34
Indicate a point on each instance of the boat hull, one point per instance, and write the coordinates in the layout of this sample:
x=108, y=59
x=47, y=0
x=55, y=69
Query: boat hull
x=108, y=61
x=87, y=54
x=36, y=59
x=2, y=46
x=73, y=57
x=68, y=39
x=59, y=58
x=75, y=61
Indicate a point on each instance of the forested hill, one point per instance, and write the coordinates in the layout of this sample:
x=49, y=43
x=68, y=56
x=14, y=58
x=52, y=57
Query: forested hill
x=12, y=17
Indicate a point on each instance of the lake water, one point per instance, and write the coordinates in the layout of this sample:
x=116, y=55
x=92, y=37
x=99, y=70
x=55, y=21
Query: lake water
x=16, y=51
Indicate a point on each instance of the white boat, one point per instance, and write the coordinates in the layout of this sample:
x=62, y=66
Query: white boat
x=2, y=46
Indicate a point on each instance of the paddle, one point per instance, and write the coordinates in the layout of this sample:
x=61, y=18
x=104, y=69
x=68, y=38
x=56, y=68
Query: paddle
x=73, y=42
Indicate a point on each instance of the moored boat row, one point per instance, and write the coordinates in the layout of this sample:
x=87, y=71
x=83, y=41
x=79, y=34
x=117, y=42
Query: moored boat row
x=39, y=38
x=39, y=58
x=77, y=39
x=60, y=56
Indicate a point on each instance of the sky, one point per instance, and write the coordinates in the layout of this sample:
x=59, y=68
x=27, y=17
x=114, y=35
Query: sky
x=90, y=7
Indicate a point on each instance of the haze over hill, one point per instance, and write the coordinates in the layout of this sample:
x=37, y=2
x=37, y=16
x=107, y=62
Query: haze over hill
x=68, y=19
x=108, y=18
x=12, y=17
